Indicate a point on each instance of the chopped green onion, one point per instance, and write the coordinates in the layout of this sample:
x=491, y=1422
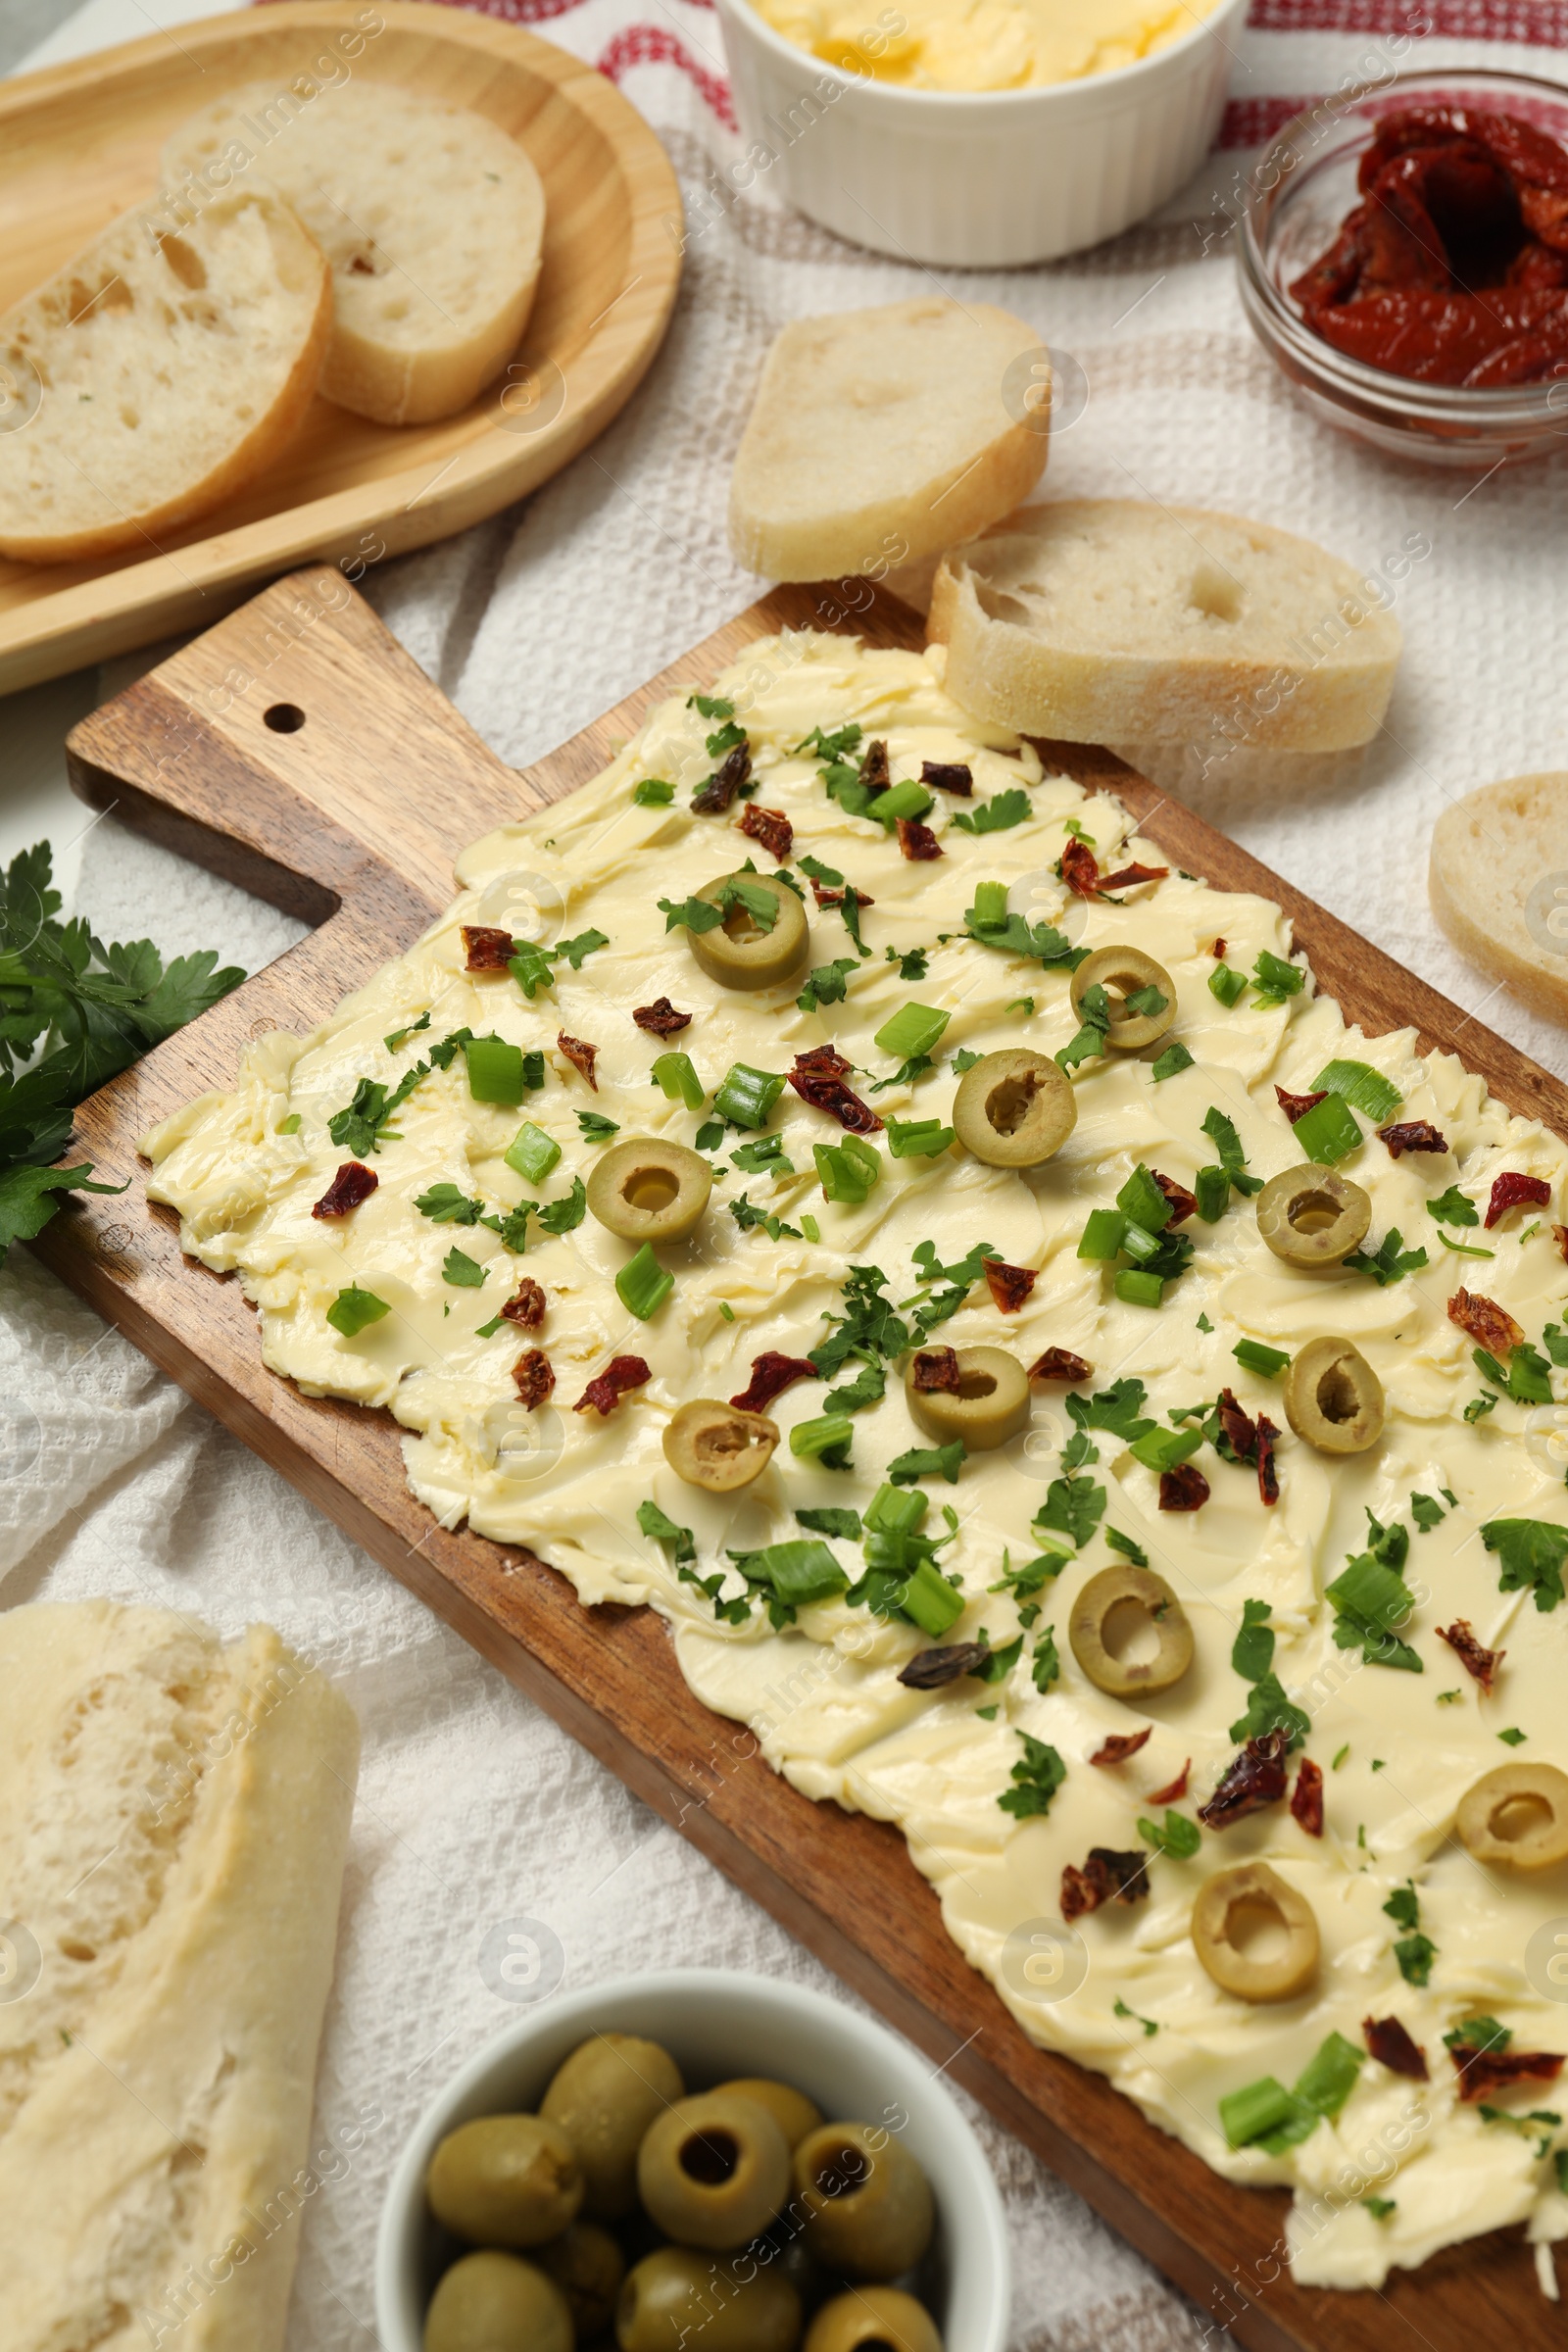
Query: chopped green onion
x=847, y=1170
x=1464, y=1249
x=352, y=1310
x=290, y=1125
x=1256, y=1357
x=1102, y=1234
x=799, y=1572
x=809, y=1439
x=654, y=792
x=678, y=1078
x=1161, y=1450
x=1140, y=1244
x=1361, y=1085
x=1211, y=1188
x=930, y=1600
x=726, y=1311
x=1226, y=984
x=1274, y=979
x=495, y=1070
x=912, y=1029
x=1137, y=1288
x=643, y=1284
x=908, y=799
x=917, y=1139
x=1259, y=2107
x=746, y=1096
x=1328, y=1131
x=533, y=1068
x=1144, y=1201
x=895, y=1511
x=532, y=1153
x=810, y=1228
x=990, y=907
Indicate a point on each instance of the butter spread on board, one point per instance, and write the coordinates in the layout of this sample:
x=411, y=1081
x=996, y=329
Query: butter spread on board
x=1387, y=2166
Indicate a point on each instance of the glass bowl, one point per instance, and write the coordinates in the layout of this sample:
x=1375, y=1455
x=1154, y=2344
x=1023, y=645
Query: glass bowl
x=1297, y=199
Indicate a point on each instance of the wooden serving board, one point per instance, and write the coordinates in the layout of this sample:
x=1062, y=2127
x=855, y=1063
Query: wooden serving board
x=81, y=143
x=339, y=784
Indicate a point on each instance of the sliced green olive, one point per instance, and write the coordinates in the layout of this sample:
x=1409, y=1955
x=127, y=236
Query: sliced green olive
x=1109, y=1627
x=1122, y=972
x=1333, y=1398
x=1517, y=1814
x=738, y=952
x=1312, y=1217
x=649, y=1190
x=1014, y=1109
x=716, y=1447
x=1254, y=1935
x=989, y=1405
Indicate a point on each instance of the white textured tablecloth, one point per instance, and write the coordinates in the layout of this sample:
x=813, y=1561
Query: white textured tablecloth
x=473, y=1807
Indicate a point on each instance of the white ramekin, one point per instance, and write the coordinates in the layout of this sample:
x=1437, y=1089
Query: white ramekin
x=716, y=2023
x=982, y=180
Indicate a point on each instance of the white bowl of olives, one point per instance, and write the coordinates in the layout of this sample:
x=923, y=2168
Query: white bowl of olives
x=696, y=2158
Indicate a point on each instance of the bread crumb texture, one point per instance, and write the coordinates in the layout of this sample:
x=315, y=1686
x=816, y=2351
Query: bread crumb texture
x=173, y=1820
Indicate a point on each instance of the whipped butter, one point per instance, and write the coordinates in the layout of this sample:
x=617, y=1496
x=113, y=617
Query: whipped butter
x=984, y=44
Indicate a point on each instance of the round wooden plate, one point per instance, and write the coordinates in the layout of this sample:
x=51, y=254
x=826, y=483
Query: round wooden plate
x=82, y=142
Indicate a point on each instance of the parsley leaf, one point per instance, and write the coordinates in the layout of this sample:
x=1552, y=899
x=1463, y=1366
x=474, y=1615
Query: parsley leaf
x=1095, y=1016
x=1390, y=1262
x=1269, y=1710
x=826, y=984
x=1531, y=1554
x=1073, y=1507
x=995, y=816
x=1174, y=1058
x=559, y=1216
x=928, y=1462
x=1036, y=1777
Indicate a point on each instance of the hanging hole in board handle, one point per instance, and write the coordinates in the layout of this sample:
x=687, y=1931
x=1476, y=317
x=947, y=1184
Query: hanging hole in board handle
x=284, y=719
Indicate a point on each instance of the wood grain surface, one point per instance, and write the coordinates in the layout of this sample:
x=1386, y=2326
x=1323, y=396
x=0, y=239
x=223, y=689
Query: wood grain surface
x=81, y=143
x=351, y=816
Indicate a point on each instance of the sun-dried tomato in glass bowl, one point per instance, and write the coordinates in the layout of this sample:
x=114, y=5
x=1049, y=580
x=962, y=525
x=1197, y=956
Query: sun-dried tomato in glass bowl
x=1311, y=274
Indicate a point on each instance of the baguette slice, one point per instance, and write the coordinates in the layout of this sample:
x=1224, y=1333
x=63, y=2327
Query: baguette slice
x=1499, y=883
x=879, y=437
x=168, y=371
x=174, y=1821
x=1103, y=620
x=431, y=217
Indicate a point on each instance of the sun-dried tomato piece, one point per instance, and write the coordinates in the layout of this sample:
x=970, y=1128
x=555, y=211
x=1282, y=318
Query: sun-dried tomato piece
x=875, y=773
x=918, y=841
x=715, y=796
x=1107, y=1876
x=1122, y=1744
x=1129, y=875
x=1297, y=1106
x=817, y=1078
x=948, y=776
x=1268, y=1474
x=1514, y=1190
x=1010, y=1286
x=1390, y=2043
x=1184, y=1488
x=1412, y=1135
x=606, y=1388
x=1217, y=951
x=660, y=1018
x=1253, y=1780
x=1174, y=1791
x=1178, y=1199
x=1307, y=1799
x=1483, y=2072
x=825, y=897
x=1560, y=1234
x=1485, y=1321
x=936, y=1372
x=1080, y=869
x=771, y=827
x=533, y=1376
x=486, y=949
x=1474, y=1656
x=1060, y=1363
x=580, y=1054
x=934, y=1669
x=1238, y=1426
x=526, y=1305
x=353, y=1183
x=771, y=1375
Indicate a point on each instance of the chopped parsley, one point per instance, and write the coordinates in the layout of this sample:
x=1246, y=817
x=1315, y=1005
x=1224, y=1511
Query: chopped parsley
x=1531, y=1554
x=995, y=816
x=1388, y=1262
x=1454, y=1208
x=826, y=984
x=1036, y=1777
x=596, y=1128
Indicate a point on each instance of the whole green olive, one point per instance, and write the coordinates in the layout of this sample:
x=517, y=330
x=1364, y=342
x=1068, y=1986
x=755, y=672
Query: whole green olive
x=1014, y=1109
x=678, y=2297
x=717, y=1447
x=588, y=2266
x=989, y=1406
x=1130, y=1603
x=495, y=2303
x=713, y=2170
x=1310, y=1216
x=506, y=2181
x=875, y=2319
x=603, y=2097
x=1125, y=972
x=793, y=2112
x=869, y=2207
x=739, y=951
x=646, y=1190
x=1333, y=1398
